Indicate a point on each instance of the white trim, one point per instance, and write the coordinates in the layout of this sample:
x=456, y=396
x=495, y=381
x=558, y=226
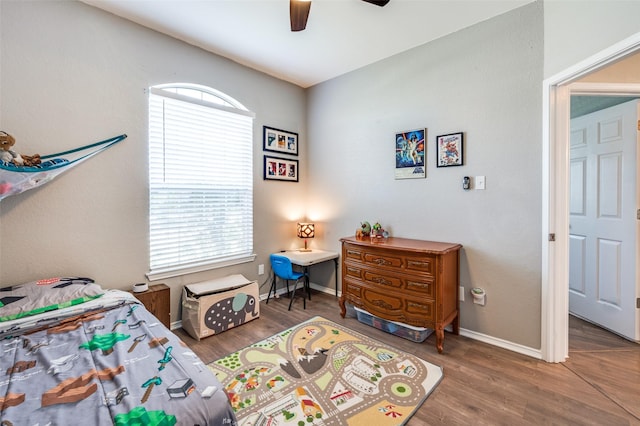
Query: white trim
x=555, y=187
x=318, y=287
x=200, y=102
x=504, y=344
x=162, y=274
x=325, y=289
x=175, y=325
x=237, y=107
x=605, y=89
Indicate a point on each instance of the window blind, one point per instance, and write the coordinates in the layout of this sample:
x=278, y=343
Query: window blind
x=200, y=184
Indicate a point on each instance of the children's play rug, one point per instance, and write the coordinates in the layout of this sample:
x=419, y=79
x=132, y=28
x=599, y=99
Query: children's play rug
x=322, y=373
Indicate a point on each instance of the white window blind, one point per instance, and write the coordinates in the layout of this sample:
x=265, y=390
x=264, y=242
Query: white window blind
x=200, y=183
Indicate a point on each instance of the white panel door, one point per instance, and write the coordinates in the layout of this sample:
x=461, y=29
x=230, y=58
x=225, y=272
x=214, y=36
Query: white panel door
x=603, y=205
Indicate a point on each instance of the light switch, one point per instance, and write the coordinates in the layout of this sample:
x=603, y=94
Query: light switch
x=479, y=182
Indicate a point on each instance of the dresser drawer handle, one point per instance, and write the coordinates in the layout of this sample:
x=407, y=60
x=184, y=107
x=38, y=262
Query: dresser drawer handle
x=353, y=271
x=420, y=285
x=418, y=264
x=381, y=261
x=418, y=305
x=381, y=304
x=380, y=280
x=353, y=253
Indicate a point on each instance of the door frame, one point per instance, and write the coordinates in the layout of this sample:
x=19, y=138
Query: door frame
x=557, y=91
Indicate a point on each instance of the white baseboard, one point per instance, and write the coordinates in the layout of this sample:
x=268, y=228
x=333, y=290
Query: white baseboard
x=505, y=344
x=317, y=287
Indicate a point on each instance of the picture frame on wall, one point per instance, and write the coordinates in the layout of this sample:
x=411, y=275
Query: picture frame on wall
x=277, y=168
x=411, y=154
x=449, y=150
x=278, y=140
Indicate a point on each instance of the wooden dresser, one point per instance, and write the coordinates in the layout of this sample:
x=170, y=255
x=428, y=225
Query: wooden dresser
x=399, y=279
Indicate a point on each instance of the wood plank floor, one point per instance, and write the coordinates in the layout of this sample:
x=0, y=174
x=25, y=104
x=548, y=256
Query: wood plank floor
x=484, y=385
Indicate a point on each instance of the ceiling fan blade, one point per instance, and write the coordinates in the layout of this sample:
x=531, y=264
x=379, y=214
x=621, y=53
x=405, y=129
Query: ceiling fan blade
x=378, y=2
x=299, y=13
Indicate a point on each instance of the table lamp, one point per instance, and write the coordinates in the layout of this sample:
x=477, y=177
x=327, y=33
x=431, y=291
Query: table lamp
x=306, y=230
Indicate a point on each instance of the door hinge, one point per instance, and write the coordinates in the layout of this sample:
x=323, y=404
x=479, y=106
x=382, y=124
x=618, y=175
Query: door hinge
x=638, y=303
x=638, y=214
x=552, y=237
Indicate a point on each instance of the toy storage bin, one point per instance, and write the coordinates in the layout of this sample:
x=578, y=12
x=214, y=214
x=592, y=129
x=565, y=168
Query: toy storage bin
x=415, y=334
x=211, y=307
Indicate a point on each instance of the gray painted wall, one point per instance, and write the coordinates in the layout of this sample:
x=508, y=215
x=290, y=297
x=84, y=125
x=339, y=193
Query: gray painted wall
x=71, y=75
x=576, y=30
x=476, y=81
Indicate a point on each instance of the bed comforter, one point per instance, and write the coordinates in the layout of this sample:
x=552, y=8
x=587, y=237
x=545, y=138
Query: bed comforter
x=108, y=362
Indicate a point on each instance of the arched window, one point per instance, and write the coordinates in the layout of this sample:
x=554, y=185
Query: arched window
x=200, y=180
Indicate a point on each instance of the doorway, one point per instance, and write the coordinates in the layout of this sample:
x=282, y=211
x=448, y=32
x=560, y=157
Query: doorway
x=557, y=92
x=602, y=212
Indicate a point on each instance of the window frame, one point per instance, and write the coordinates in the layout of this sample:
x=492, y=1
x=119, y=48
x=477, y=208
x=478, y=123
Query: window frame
x=209, y=98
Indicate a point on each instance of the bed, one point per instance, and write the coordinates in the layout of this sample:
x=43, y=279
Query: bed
x=71, y=350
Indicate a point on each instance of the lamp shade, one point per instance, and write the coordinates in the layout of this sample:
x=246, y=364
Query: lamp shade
x=306, y=230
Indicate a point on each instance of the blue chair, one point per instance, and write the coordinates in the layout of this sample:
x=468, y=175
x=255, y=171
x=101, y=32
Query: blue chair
x=282, y=268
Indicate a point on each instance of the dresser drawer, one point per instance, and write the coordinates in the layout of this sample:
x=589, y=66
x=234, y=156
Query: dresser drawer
x=425, y=264
x=397, y=307
x=350, y=252
x=352, y=290
x=352, y=270
x=384, y=258
x=389, y=282
x=423, y=308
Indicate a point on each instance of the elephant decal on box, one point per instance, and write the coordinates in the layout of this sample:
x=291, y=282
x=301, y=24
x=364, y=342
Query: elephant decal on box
x=231, y=312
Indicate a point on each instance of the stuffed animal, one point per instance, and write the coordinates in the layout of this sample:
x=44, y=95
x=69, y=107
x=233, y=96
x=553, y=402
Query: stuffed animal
x=363, y=230
x=6, y=142
x=7, y=155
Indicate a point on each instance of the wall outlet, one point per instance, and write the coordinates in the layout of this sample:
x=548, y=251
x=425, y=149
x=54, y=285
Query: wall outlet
x=261, y=269
x=479, y=296
x=461, y=293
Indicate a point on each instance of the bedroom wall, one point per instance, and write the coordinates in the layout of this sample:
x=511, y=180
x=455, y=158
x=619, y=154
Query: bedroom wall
x=73, y=75
x=477, y=81
x=576, y=30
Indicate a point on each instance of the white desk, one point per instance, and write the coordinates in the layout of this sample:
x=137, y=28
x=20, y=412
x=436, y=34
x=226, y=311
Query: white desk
x=308, y=258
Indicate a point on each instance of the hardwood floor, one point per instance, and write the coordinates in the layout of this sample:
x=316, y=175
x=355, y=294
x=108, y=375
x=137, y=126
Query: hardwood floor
x=483, y=384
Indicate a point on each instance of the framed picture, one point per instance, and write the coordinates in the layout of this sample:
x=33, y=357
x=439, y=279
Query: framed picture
x=410, y=154
x=449, y=150
x=277, y=140
x=276, y=168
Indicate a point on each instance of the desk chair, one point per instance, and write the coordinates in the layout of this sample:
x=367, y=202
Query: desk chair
x=282, y=268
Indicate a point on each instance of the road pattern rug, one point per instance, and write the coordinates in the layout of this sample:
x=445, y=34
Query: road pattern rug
x=322, y=373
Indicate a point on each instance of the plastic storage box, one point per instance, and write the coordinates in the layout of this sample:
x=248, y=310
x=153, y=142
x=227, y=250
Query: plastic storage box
x=415, y=334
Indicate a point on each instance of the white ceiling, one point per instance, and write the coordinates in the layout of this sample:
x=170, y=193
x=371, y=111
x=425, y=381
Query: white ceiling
x=341, y=35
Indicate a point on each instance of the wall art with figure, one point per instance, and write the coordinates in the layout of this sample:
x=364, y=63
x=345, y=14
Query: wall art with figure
x=411, y=154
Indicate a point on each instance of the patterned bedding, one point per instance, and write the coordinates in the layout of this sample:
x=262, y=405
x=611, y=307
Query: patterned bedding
x=107, y=361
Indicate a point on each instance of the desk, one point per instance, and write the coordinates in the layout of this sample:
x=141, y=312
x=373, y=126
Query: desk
x=306, y=259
